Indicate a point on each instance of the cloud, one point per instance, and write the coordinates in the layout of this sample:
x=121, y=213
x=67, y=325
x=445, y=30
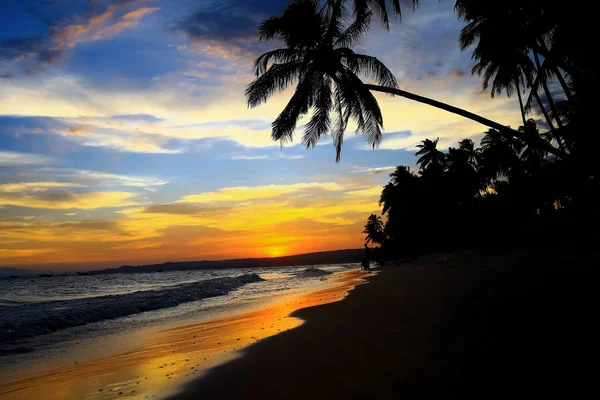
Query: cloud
x=242, y=193
x=227, y=30
x=89, y=225
x=19, y=48
x=375, y=170
x=75, y=131
x=33, y=186
x=128, y=20
x=225, y=223
x=183, y=209
x=230, y=20
x=135, y=118
x=228, y=52
x=49, y=49
x=63, y=200
x=457, y=73
x=89, y=178
x=271, y=156
x=9, y=158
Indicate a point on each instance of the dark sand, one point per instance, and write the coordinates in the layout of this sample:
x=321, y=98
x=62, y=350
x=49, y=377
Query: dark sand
x=477, y=325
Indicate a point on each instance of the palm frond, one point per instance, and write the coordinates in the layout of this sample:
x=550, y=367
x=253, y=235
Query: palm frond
x=336, y=10
x=279, y=77
x=337, y=134
x=285, y=124
x=320, y=122
x=300, y=26
x=354, y=33
x=279, y=56
x=369, y=66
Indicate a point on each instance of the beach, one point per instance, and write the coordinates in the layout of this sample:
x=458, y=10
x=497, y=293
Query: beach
x=465, y=324
x=497, y=324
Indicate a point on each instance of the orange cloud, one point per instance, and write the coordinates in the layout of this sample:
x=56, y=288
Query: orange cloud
x=75, y=131
x=457, y=73
x=68, y=36
x=216, y=49
x=129, y=20
x=97, y=27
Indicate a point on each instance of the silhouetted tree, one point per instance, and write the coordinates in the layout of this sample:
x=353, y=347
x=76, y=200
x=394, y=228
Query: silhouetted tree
x=374, y=230
x=430, y=155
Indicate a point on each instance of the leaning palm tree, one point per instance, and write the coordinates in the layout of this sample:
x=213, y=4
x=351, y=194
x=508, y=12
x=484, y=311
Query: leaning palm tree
x=429, y=153
x=318, y=58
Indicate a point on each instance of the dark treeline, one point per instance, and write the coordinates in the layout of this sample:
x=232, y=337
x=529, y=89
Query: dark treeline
x=509, y=189
x=502, y=192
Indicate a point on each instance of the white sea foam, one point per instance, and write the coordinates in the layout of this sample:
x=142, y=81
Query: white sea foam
x=29, y=320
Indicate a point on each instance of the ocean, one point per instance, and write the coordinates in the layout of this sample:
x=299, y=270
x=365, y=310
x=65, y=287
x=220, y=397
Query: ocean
x=41, y=312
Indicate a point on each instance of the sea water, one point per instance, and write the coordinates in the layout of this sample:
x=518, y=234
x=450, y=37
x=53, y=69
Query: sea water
x=37, y=312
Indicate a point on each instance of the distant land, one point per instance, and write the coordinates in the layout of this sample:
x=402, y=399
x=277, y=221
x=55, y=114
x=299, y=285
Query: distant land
x=7, y=272
x=325, y=257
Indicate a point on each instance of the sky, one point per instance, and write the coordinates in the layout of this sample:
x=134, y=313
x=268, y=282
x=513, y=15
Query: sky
x=125, y=137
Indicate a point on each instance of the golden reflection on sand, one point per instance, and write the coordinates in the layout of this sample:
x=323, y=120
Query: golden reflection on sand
x=172, y=356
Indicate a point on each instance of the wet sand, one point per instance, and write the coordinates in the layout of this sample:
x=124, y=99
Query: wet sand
x=465, y=325
x=168, y=358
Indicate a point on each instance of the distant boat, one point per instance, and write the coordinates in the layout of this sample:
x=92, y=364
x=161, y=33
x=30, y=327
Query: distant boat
x=86, y=273
x=50, y=275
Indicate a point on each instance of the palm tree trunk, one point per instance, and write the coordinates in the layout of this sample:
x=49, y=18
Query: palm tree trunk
x=463, y=113
x=546, y=116
x=520, y=103
x=547, y=92
x=544, y=51
x=548, y=120
x=558, y=74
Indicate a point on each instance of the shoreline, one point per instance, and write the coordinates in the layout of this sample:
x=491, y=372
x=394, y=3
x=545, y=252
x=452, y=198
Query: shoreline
x=170, y=355
x=461, y=325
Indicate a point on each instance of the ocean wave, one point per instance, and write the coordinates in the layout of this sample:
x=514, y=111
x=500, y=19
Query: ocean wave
x=31, y=320
x=312, y=272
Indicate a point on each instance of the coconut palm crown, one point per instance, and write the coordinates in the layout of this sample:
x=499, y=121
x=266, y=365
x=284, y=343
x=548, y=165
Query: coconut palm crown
x=318, y=58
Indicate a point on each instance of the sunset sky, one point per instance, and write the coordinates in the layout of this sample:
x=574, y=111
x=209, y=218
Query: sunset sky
x=125, y=137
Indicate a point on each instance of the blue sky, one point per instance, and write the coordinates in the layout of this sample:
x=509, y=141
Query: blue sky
x=125, y=137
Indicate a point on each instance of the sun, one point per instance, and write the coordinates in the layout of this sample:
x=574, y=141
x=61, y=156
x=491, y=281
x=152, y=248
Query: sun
x=276, y=251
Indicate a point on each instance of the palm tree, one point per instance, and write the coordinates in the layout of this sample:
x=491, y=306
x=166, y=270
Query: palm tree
x=374, y=230
x=533, y=155
x=380, y=7
x=528, y=27
x=500, y=155
x=318, y=58
x=501, y=63
x=429, y=153
x=473, y=154
x=402, y=176
x=504, y=59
